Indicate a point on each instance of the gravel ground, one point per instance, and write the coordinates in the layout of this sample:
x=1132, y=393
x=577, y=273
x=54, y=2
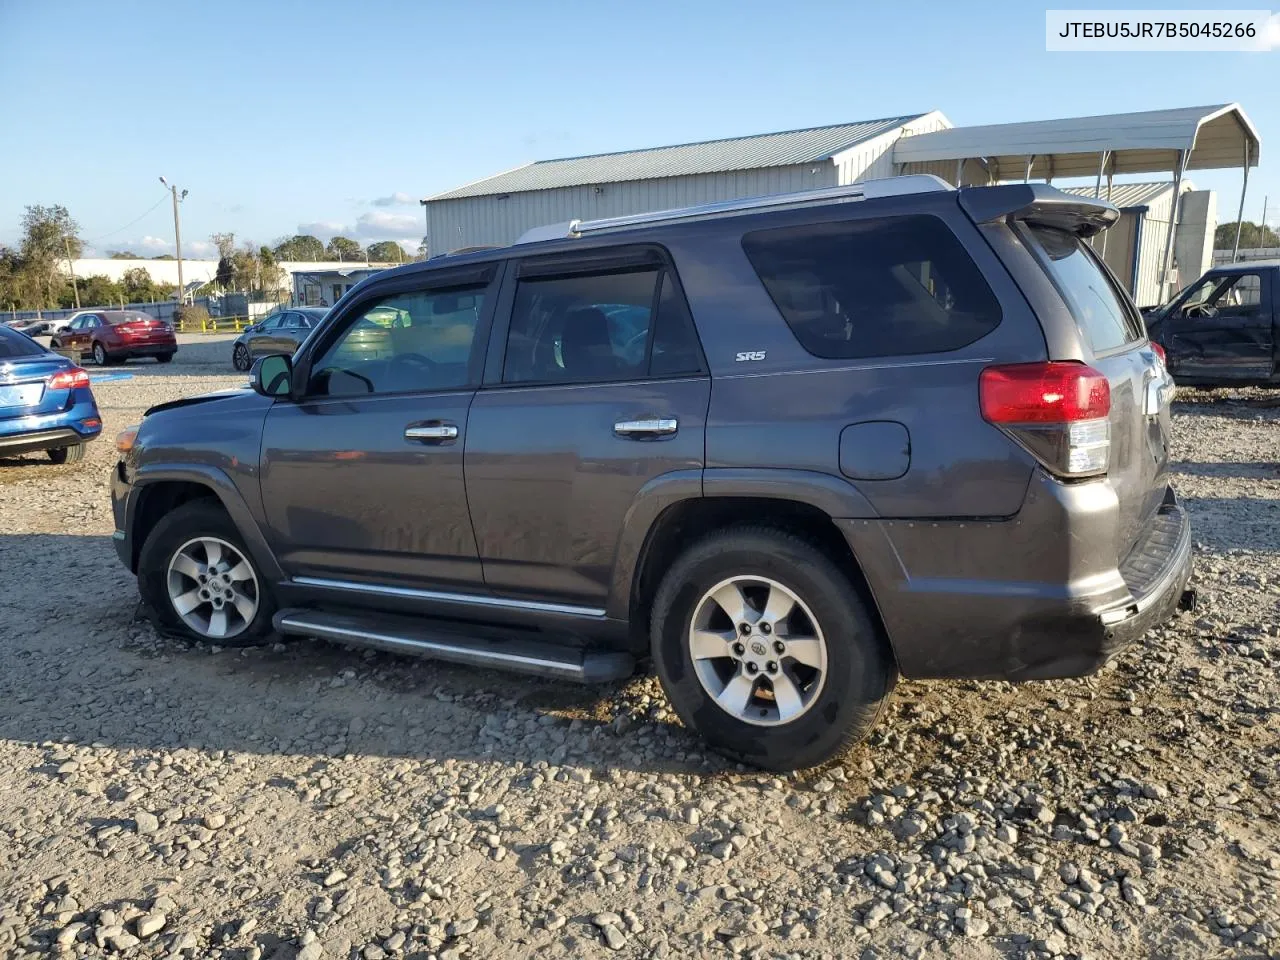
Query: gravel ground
x=159, y=799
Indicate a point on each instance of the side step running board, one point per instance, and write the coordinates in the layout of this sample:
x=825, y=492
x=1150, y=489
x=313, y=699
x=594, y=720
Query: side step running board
x=418, y=638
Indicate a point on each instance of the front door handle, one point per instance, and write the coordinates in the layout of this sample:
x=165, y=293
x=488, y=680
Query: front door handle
x=645, y=429
x=434, y=432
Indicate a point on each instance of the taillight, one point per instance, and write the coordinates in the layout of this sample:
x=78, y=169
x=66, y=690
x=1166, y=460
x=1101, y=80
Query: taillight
x=1159, y=352
x=1058, y=411
x=69, y=379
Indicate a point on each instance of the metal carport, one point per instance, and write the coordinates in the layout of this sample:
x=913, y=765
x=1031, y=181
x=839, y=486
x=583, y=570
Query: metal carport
x=1187, y=138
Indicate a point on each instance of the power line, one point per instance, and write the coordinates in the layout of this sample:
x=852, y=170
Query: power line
x=129, y=224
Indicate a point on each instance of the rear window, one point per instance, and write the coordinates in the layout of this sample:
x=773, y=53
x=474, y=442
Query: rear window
x=116, y=317
x=874, y=288
x=14, y=345
x=1093, y=299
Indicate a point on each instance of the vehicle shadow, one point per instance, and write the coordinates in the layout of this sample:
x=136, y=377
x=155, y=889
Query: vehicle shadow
x=82, y=665
x=1235, y=523
x=1262, y=470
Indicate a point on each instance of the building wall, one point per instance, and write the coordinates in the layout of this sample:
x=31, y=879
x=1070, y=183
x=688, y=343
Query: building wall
x=1222, y=257
x=469, y=221
x=166, y=271
x=1197, y=220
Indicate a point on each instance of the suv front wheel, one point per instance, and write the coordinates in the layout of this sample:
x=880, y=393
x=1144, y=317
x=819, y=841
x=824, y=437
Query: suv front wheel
x=765, y=648
x=199, y=580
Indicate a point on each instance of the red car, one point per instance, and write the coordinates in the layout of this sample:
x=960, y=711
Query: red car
x=113, y=336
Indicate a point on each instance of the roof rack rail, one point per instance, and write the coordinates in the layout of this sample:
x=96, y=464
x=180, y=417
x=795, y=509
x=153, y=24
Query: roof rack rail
x=866, y=190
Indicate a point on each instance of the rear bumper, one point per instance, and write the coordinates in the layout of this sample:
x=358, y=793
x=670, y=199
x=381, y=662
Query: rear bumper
x=1041, y=599
x=146, y=349
x=52, y=431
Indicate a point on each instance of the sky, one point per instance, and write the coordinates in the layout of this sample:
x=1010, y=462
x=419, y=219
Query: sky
x=326, y=117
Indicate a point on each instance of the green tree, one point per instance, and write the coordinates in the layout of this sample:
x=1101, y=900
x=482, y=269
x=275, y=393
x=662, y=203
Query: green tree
x=99, y=291
x=300, y=247
x=272, y=274
x=1251, y=235
x=49, y=237
x=424, y=250
x=386, y=251
x=344, y=248
x=126, y=255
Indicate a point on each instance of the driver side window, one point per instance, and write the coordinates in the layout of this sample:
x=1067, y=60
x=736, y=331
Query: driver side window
x=408, y=342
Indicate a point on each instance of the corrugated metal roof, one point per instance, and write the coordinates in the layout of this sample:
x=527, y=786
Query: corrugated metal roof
x=709, y=156
x=1144, y=142
x=1129, y=195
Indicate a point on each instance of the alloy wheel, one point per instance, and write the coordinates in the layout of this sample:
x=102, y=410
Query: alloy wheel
x=213, y=588
x=240, y=357
x=758, y=650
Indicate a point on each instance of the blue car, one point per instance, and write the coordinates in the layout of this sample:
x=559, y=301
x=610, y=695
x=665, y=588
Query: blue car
x=45, y=401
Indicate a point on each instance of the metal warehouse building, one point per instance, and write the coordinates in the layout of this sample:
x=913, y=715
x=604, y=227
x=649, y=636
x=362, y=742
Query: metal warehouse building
x=1133, y=247
x=498, y=209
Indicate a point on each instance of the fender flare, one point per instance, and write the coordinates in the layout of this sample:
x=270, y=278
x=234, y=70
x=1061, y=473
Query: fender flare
x=228, y=494
x=835, y=497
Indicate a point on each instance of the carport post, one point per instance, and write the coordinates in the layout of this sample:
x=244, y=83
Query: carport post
x=1031, y=162
x=1167, y=260
x=960, y=172
x=1235, y=247
x=1102, y=165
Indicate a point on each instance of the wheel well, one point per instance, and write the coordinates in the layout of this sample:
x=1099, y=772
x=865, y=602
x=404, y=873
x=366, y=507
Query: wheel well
x=157, y=499
x=683, y=523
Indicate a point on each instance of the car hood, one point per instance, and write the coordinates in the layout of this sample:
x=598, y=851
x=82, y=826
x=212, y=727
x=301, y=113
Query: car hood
x=224, y=398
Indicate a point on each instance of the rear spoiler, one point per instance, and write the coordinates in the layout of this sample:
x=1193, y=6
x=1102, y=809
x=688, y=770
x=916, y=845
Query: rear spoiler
x=1038, y=203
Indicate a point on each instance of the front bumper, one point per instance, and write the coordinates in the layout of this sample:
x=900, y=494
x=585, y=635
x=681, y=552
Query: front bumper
x=120, y=490
x=1039, y=600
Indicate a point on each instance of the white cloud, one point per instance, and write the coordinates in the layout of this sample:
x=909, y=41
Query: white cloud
x=153, y=245
x=324, y=229
x=378, y=225
x=199, y=248
x=397, y=199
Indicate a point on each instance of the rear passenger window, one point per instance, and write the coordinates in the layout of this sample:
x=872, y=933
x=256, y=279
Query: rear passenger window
x=1094, y=301
x=874, y=288
x=621, y=324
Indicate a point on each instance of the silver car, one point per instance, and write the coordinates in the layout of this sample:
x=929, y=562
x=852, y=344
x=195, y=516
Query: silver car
x=280, y=332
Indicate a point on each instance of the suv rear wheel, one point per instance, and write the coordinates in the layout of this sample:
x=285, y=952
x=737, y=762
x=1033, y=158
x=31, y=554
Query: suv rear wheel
x=765, y=648
x=71, y=454
x=199, y=579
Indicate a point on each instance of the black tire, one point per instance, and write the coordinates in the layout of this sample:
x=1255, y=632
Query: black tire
x=240, y=358
x=100, y=355
x=71, y=454
x=164, y=357
x=55, y=344
x=860, y=668
x=197, y=518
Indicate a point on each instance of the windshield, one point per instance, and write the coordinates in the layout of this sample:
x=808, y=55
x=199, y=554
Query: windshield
x=1094, y=300
x=14, y=345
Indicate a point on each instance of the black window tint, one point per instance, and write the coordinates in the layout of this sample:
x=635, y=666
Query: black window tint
x=1093, y=299
x=14, y=345
x=874, y=288
x=579, y=328
x=403, y=343
x=675, y=344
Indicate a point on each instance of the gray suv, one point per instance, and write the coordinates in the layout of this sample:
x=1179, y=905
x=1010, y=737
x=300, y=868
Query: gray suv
x=788, y=448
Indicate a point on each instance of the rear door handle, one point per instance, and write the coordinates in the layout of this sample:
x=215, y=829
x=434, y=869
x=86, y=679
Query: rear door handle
x=434, y=432
x=645, y=429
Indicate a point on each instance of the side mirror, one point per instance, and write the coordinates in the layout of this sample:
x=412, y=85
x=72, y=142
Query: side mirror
x=273, y=375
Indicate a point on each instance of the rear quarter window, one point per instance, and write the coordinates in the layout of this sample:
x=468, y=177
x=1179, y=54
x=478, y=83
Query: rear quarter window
x=882, y=287
x=1095, y=302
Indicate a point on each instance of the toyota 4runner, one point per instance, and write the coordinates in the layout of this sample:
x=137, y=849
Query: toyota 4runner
x=789, y=448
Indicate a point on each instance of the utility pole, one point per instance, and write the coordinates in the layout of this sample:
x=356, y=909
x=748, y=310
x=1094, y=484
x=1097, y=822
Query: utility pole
x=177, y=235
x=66, y=242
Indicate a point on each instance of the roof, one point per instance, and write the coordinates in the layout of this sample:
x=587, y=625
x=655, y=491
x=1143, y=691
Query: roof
x=1145, y=142
x=1126, y=196
x=1247, y=264
x=810, y=145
